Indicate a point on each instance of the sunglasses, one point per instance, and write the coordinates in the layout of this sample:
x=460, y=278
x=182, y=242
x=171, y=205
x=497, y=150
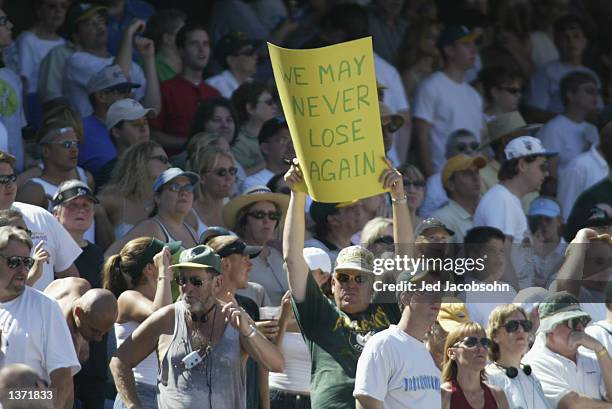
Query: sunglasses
x=193, y=280
x=4, y=20
x=67, y=144
x=471, y=342
x=223, y=172
x=386, y=239
x=163, y=159
x=122, y=89
x=6, y=179
x=511, y=90
x=513, y=325
x=345, y=278
x=574, y=322
x=177, y=187
x=16, y=261
x=462, y=146
x=260, y=215
x=416, y=185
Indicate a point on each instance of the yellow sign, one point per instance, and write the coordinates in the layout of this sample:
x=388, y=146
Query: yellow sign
x=330, y=101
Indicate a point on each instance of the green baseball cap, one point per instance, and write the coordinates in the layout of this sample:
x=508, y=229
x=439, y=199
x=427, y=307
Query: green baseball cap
x=200, y=257
x=558, y=308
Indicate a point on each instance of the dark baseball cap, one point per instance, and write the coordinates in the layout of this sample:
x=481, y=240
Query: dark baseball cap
x=79, y=12
x=452, y=34
x=230, y=44
x=319, y=211
x=432, y=223
x=234, y=245
x=271, y=127
x=70, y=190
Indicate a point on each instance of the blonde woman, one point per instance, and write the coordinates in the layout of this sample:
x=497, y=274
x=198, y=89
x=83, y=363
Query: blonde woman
x=414, y=186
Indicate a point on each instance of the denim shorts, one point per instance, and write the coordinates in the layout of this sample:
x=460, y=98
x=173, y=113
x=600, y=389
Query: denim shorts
x=146, y=393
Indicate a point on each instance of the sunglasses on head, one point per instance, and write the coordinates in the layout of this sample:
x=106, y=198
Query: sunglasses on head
x=193, y=280
x=345, y=278
x=163, y=159
x=6, y=179
x=16, y=261
x=222, y=172
x=386, y=239
x=67, y=144
x=177, y=187
x=462, y=146
x=513, y=325
x=471, y=342
x=573, y=323
x=260, y=215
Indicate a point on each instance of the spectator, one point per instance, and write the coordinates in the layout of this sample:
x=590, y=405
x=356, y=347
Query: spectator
x=464, y=361
x=44, y=227
x=162, y=28
x=140, y=279
x=529, y=300
x=127, y=195
x=44, y=343
x=254, y=105
x=461, y=181
x=569, y=376
x=181, y=94
x=195, y=329
x=414, y=184
x=216, y=115
x=444, y=102
x=276, y=147
x=602, y=330
x=377, y=235
x=432, y=238
x=335, y=343
x=128, y=123
x=502, y=89
x=509, y=329
x=34, y=44
x=523, y=171
x=459, y=142
x=173, y=199
x=119, y=15
x=387, y=27
x=569, y=133
x=237, y=54
x=383, y=359
x=546, y=13
x=255, y=216
x=544, y=87
x=319, y=265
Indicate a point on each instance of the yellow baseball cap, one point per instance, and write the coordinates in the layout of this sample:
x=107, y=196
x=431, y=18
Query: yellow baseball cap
x=461, y=162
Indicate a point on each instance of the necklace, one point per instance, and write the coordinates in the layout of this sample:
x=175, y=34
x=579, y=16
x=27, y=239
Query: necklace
x=204, y=317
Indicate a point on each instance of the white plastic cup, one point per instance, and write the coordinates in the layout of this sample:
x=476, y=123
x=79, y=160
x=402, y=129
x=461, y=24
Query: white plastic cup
x=269, y=313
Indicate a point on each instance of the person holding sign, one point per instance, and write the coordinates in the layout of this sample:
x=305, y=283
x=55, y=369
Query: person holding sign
x=337, y=332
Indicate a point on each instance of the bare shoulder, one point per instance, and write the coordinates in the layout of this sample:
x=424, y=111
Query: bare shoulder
x=68, y=285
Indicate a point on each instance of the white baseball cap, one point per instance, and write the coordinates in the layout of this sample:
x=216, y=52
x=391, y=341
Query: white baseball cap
x=317, y=258
x=526, y=146
x=126, y=110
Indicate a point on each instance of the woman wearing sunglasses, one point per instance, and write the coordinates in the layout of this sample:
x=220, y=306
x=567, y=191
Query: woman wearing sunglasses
x=127, y=198
x=172, y=200
x=140, y=279
x=256, y=217
x=463, y=373
x=509, y=328
x=414, y=186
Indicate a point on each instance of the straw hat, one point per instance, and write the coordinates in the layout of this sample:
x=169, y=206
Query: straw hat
x=505, y=124
x=250, y=196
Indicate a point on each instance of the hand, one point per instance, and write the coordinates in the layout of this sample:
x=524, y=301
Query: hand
x=285, y=309
x=269, y=329
x=40, y=253
x=145, y=47
x=585, y=236
x=162, y=260
x=237, y=316
x=580, y=338
x=294, y=178
x=136, y=26
x=392, y=181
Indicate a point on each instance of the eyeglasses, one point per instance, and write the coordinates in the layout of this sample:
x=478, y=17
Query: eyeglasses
x=511, y=90
x=270, y=101
x=471, y=342
x=163, y=159
x=574, y=322
x=417, y=185
x=260, y=215
x=16, y=261
x=513, y=325
x=193, y=280
x=6, y=179
x=462, y=146
x=4, y=20
x=345, y=278
x=386, y=239
x=67, y=144
x=222, y=172
x=177, y=187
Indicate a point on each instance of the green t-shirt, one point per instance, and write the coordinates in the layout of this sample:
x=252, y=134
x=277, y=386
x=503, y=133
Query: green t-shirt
x=164, y=71
x=246, y=149
x=335, y=340
x=601, y=192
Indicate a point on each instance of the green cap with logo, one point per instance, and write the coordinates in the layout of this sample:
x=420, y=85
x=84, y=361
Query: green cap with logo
x=199, y=257
x=558, y=308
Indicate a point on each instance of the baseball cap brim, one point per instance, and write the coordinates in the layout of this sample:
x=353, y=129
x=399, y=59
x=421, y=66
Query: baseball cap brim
x=90, y=13
x=549, y=323
x=188, y=264
x=353, y=267
x=252, y=251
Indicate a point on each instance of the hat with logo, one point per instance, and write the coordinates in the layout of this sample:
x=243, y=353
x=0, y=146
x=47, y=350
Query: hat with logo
x=317, y=259
x=200, y=256
x=79, y=12
x=227, y=245
x=558, y=308
x=109, y=78
x=505, y=124
x=461, y=162
x=452, y=34
x=355, y=258
x=526, y=146
x=230, y=44
x=432, y=223
x=70, y=190
x=271, y=127
x=544, y=206
x=126, y=110
x=452, y=315
x=172, y=173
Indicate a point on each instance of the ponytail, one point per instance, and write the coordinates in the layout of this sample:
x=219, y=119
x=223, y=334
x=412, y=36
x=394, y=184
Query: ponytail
x=113, y=278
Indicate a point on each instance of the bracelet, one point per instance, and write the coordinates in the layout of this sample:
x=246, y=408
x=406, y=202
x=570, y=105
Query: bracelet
x=252, y=333
x=401, y=200
x=601, y=352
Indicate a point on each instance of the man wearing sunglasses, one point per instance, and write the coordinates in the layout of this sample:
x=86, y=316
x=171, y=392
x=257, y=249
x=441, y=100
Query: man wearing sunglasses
x=32, y=326
x=571, y=377
x=196, y=337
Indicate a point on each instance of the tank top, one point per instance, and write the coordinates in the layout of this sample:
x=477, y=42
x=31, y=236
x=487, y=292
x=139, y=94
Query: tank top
x=458, y=400
x=168, y=238
x=218, y=382
x=146, y=371
x=201, y=225
x=296, y=377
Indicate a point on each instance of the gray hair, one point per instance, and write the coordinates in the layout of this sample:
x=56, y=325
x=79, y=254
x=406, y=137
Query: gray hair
x=8, y=233
x=452, y=139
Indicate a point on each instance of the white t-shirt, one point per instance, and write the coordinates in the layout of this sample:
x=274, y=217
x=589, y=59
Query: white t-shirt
x=567, y=137
x=447, y=106
x=298, y=366
x=580, y=174
x=523, y=391
x=559, y=375
x=398, y=369
x=11, y=113
x=80, y=67
x=260, y=178
x=62, y=248
x=501, y=208
x=225, y=83
x=35, y=333
x=601, y=331
x=435, y=195
x=32, y=50
x=543, y=48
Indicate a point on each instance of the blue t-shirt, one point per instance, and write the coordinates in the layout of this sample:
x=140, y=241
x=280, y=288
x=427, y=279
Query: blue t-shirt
x=97, y=148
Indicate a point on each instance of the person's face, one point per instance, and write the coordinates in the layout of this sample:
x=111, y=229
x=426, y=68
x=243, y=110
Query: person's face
x=278, y=147
x=350, y=295
x=427, y=42
x=244, y=61
x=265, y=108
x=260, y=226
x=585, y=97
x=466, y=182
x=8, y=185
x=197, y=289
x=571, y=43
x=348, y=218
x=220, y=180
x=179, y=202
x=158, y=162
x=433, y=242
x=13, y=280
x=516, y=341
x=558, y=339
x=109, y=96
x=549, y=229
x=494, y=255
x=221, y=123
x=534, y=172
x=425, y=306
x=474, y=357
x=92, y=32
x=196, y=51
x=63, y=151
x=132, y=132
x=52, y=13
x=466, y=144
x=507, y=96
x=93, y=328
x=415, y=191
x=463, y=54
x=77, y=214
x=238, y=269
x=6, y=29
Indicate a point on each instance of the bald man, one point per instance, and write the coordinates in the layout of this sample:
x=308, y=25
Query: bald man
x=90, y=313
x=18, y=377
